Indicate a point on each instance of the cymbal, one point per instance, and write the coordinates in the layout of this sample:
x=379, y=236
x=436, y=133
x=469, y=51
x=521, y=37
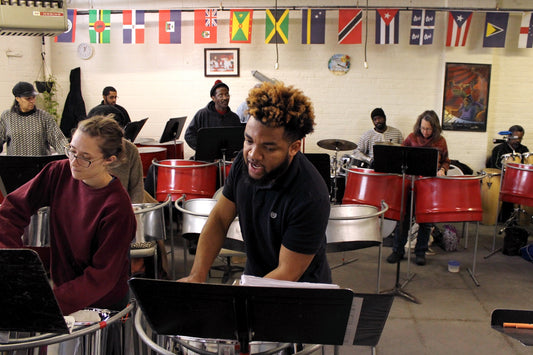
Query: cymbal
x=336, y=144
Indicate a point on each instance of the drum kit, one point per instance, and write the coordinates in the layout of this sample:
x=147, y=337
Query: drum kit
x=337, y=145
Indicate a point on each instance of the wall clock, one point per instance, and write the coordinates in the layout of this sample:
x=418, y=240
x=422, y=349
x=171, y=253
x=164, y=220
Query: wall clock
x=85, y=51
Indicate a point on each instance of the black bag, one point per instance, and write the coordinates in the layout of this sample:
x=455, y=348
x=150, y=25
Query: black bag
x=514, y=239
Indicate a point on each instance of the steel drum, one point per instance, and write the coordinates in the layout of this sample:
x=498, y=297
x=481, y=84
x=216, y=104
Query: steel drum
x=448, y=199
x=195, y=179
x=150, y=153
x=37, y=235
x=367, y=187
x=150, y=221
x=517, y=184
x=490, y=191
x=174, y=151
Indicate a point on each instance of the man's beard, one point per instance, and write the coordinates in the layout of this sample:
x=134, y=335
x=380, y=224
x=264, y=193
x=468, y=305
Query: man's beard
x=269, y=177
x=380, y=126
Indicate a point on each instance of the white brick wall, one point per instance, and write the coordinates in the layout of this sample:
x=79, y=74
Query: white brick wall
x=163, y=81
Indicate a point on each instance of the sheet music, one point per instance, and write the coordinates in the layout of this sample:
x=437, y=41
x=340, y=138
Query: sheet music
x=247, y=280
x=353, y=321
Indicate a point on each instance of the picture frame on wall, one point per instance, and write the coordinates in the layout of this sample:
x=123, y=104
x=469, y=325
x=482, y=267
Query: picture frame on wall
x=466, y=97
x=221, y=62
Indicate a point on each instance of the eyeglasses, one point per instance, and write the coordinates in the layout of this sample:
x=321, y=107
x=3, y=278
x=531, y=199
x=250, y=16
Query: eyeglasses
x=426, y=129
x=83, y=162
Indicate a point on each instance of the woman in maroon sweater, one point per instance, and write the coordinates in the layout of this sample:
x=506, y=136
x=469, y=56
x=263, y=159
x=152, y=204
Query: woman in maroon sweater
x=426, y=133
x=91, y=219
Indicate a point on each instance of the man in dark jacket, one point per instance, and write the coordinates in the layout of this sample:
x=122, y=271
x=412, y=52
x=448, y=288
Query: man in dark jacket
x=109, y=95
x=216, y=114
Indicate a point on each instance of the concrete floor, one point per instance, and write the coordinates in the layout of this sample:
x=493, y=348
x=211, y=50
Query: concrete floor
x=454, y=315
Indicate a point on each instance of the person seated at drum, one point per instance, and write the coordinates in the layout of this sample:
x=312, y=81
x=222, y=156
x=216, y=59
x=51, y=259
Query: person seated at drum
x=109, y=98
x=26, y=129
x=91, y=219
x=380, y=133
x=426, y=133
x=281, y=199
x=512, y=145
x=216, y=114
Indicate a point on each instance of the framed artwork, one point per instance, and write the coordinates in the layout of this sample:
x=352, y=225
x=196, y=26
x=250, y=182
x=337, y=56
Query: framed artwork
x=221, y=61
x=466, y=97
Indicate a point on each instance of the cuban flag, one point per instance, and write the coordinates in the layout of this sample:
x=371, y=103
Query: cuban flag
x=133, y=26
x=387, y=26
x=169, y=26
x=422, y=27
x=525, y=38
x=458, y=26
x=70, y=34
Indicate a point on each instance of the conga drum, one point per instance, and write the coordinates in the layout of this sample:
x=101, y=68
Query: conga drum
x=511, y=158
x=195, y=179
x=150, y=153
x=367, y=187
x=490, y=190
x=527, y=158
x=448, y=199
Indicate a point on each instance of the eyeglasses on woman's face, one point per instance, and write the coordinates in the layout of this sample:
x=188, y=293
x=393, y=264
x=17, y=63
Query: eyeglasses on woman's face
x=83, y=162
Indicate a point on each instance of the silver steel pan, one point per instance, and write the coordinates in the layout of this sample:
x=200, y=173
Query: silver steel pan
x=150, y=220
x=37, y=233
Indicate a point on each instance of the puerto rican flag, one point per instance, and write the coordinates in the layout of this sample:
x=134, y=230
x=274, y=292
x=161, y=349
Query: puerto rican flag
x=458, y=26
x=133, y=26
x=387, y=26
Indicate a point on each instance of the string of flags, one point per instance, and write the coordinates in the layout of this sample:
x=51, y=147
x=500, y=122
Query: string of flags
x=313, y=27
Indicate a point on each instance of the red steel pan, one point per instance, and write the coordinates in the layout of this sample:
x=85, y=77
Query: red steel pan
x=195, y=179
x=174, y=151
x=517, y=184
x=367, y=187
x=448, y=199
x=148, y=154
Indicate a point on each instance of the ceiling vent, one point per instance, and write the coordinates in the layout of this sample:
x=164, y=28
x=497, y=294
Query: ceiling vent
x=32, y=18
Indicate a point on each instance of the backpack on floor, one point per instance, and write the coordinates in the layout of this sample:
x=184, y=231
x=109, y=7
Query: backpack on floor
x=448, y=239
x=527, y=252
x=514, y=239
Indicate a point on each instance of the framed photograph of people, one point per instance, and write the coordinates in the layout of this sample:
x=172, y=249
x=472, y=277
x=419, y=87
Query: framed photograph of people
x=221, y=61
x=466, y=97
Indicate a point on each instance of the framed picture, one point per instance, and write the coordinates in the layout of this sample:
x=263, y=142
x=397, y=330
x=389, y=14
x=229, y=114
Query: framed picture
x=466, y=97
x=221, y=61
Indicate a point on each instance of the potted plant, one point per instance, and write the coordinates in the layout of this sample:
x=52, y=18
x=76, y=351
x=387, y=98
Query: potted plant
x=47, y=100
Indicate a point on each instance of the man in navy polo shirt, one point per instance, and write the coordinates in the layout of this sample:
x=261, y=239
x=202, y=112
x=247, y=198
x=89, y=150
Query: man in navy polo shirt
x=281, y=199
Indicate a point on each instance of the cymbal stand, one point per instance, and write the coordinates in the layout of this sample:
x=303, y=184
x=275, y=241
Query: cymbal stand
x=397, y=290
x=334, y=188
x=410, y=236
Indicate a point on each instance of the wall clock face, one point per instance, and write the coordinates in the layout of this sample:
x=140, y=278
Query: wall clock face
x=85, y=51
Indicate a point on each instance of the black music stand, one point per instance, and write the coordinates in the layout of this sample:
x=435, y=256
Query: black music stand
x=132, y=129
x=405, y=160
x=172, y=131
x=27, y=301
x=15, y=171
x=524, y=318
x=246, y=313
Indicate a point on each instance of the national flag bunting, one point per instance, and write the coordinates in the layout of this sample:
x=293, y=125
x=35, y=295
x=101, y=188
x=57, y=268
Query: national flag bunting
x=422, y=27
x=169, y=26
x=205, y=26
x=70, y=34
x=525, y=38
x=100, y=26
x=240, y=26
x=133, y=26
x=495, y=29
x=387, y=26
x=350, y=26
x=277, y=26
x=313, y=26
x=458, y=26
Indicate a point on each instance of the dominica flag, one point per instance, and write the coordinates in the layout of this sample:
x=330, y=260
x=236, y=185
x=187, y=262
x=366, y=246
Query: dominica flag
x=525, y=38
x=313, y=26
x=387, y=26
x=169, y=26
x=277, y=26
x=205, y=26
x=350, y=26
x=70, y=34
x=100, y=26
x=495, y=29
x=133, y=26
x=240, y=26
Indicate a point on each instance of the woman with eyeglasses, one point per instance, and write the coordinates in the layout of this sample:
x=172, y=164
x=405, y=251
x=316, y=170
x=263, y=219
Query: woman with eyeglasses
x=426, y=133
x=26, y=129
x=91, y=219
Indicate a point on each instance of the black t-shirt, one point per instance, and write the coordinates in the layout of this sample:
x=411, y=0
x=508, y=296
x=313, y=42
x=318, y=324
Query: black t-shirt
x=293, y=212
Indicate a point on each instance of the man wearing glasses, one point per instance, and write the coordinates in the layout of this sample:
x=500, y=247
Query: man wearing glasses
x=27, y=130
x=109, y=97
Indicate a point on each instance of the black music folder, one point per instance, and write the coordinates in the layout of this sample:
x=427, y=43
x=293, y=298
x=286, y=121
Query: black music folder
x=27, y=302
x=295, y=315
x=394, y=159
x=173, y=129
x=219, y=142
x=132, y=129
